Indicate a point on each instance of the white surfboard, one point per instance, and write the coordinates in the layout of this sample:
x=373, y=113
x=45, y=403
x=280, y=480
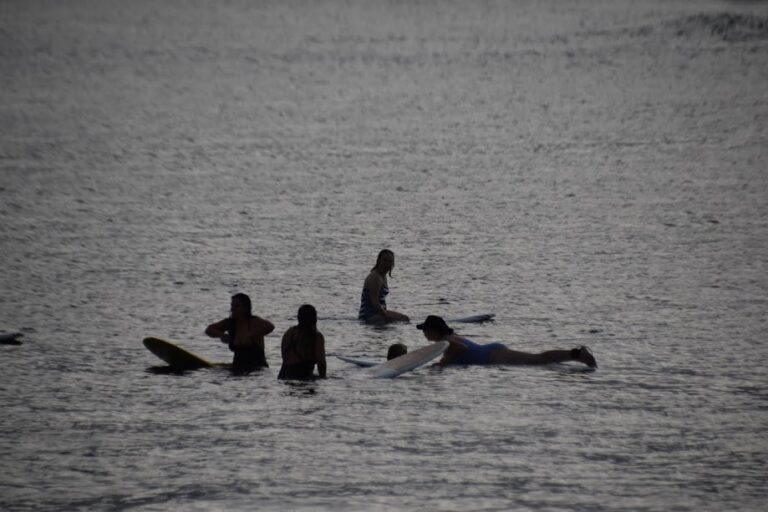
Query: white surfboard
x=409, y=361
x=472, y=319
x=360, y=361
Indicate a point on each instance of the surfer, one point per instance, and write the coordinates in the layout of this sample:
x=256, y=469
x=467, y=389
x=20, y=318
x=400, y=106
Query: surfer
x=303, y=347
x=465, y=351
x=244, y=333
x=373, y=304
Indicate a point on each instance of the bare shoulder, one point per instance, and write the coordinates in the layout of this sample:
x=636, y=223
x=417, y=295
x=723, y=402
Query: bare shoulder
x=374, y=280
x=221, y=324
x=261, y=324
x=456, y=341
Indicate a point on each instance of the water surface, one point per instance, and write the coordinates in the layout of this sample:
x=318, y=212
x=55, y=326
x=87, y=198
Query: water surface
x=592, y=173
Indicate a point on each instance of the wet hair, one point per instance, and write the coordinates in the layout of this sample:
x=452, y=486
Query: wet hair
x=307, y=317
x=396, y=350
x=246, y=302
x=306, y=335
x=382, y=253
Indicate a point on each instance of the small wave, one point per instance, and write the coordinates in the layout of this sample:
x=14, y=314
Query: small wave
x=726, y=26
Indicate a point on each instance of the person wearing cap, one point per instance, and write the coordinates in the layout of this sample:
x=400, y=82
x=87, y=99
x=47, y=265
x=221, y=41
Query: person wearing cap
x=373, y=305
x=464, y=351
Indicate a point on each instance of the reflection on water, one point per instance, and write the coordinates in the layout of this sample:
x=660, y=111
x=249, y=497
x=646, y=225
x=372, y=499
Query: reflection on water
x=299, y=388
x=591, y=174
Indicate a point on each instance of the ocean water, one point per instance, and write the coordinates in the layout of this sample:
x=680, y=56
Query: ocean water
x=594, y=173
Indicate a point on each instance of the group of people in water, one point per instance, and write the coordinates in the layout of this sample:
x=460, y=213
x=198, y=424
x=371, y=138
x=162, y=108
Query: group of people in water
x=303, y=346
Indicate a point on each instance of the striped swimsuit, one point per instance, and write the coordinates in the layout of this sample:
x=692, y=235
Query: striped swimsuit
x=366, y=308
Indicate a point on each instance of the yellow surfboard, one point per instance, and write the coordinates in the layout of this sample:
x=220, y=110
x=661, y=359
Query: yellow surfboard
x=176, y=356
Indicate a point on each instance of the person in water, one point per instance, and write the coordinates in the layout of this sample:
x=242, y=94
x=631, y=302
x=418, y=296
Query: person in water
x=244, y=333
x=464, y=351
x=303, y=347
x=396, y=350
x=373, y=303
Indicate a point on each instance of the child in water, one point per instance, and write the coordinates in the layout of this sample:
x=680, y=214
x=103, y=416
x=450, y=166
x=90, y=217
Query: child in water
x=303, y=347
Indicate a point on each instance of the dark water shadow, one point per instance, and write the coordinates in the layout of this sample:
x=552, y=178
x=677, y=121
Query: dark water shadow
x=300, y=388
x=554, y=367
x=569, y=368
x=167, y=370
x=176, y=370
x=380, y=327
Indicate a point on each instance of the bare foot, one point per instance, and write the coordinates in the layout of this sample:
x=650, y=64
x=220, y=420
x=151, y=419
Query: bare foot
x=584, y=355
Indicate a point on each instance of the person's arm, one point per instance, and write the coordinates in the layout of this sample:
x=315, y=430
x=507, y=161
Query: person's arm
x=320, y=355
x=373, y=284
x=219, y=330
x=262, y=326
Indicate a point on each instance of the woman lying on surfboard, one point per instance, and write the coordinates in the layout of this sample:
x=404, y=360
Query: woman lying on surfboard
x=373, y=304
x=465, y=351
x=303, y=347
x=244, y=333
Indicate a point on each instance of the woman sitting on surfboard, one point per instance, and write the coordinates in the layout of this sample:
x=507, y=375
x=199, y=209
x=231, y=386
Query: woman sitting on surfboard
x=465, y=351
x=303, y=347
x=373, y=304
x=244, y=333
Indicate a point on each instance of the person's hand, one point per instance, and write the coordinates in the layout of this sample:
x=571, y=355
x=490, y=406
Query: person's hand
x=226, y=338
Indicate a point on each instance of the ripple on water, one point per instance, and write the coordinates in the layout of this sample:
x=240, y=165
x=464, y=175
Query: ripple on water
x=591, y=175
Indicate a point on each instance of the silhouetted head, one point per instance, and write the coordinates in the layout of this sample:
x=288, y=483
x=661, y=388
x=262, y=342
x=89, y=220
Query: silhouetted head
x=307, y=317
x=396, y=350
x=385, y=262
x=434, y=328
x=241, y=306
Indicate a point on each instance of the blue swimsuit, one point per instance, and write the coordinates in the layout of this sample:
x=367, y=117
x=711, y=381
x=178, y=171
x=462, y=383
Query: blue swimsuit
x=476, y=353
x=366, y=308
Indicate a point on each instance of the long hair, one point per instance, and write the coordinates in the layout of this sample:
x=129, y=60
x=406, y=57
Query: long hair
x=382, y=253
x=246, y=302
x=306, y=336
x=307, y=317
